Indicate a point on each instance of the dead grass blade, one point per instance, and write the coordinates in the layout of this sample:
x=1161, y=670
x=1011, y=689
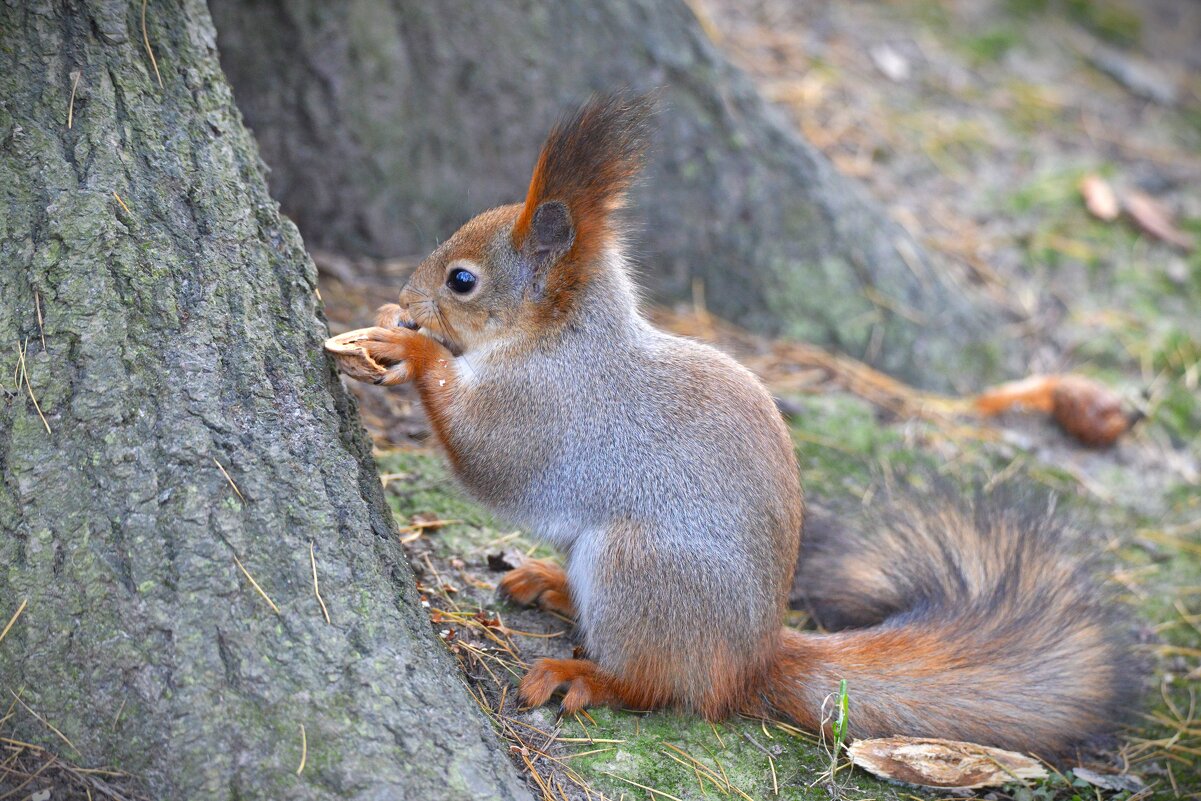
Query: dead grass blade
x=45, y=722
x=228, y=478
x=316, y=587
x=23, y=368
x=304, y=750
x=256, y=586
x=149, y=49
x=75, y=76
x=13, y=619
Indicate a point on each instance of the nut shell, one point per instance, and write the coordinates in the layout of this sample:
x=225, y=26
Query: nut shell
x=353, y=358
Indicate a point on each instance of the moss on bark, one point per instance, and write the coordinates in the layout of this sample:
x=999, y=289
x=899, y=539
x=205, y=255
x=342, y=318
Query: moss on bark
x=179, y=329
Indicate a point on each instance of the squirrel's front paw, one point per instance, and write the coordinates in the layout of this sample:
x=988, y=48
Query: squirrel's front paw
x=538, y=581
x=375, y=355
x=392, y=349
x=392, y=315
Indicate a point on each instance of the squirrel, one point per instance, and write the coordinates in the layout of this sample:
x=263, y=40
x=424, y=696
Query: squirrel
x=664, y=473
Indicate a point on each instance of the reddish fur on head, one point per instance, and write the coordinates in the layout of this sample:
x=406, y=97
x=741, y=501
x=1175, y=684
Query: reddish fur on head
x=588, y=163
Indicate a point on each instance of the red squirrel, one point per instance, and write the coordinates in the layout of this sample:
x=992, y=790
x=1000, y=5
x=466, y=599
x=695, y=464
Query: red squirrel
x=664, y=473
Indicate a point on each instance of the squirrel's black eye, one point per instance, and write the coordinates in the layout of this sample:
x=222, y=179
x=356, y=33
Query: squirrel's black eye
x=461, y=281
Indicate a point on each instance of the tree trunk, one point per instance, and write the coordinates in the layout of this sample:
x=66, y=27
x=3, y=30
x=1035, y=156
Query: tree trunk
x=173, y=335
x=389, y=123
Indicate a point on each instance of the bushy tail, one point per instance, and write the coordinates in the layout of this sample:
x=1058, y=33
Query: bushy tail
x=979, y=628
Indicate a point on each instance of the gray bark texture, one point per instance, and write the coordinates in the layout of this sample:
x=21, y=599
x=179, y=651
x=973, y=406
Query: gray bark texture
x=181, y=329
x=388, y=123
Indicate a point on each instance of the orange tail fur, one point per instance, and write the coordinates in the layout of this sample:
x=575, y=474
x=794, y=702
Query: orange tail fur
x=980, y=630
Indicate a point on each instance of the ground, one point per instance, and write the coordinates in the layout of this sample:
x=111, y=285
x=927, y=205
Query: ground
x=973, y=122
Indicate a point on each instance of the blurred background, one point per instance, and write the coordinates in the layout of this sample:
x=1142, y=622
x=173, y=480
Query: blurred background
x=952, y=191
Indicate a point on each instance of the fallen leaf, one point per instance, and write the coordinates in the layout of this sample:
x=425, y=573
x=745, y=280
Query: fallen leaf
x=1110, y=781
x=1152, y=217
x=492, y=622
x=421, y=523
x=942, y=763
x=1099, y=198
x=1089, y=411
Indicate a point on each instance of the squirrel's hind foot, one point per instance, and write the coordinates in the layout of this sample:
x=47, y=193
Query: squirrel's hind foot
x=582, y=680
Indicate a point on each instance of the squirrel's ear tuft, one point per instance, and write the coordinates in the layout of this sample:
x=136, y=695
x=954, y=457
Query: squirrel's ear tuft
x=582, y=176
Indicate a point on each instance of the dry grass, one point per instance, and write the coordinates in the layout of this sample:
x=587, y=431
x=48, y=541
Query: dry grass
x=149, y=49
x=27, y=768
x=255, y=584
x=23, y=374
x=122, y=203
x=490, y=659
x=228, y=478
x=75, y=76
x=12, y=620
x=316, y=586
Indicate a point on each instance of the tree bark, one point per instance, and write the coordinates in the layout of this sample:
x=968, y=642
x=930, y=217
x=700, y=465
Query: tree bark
x=173, y=335
x=388, y=123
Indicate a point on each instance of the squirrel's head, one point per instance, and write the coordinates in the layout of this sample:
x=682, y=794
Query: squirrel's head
x=517, y=270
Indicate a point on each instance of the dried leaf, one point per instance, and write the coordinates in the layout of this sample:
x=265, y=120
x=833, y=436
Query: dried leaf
x=1084, y=408
x=1110, y=781
x=1089, y=411
x=491, y=622
x=1100, y=198
x=1152, y=217
x=942, y=763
